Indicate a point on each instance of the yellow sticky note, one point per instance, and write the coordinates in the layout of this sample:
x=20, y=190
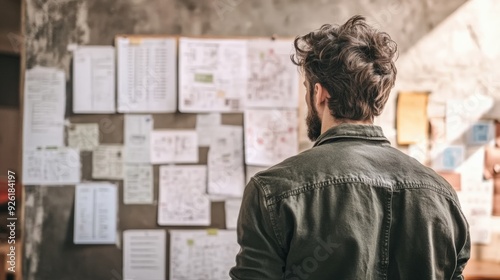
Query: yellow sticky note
x=411, y=121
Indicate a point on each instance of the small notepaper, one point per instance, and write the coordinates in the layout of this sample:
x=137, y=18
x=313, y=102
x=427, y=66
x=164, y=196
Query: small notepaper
x=137, y=138
x=138, y=184
x=95, y=213
x=174, y=146
x=232, y=209
x=107, y=162
x=83, y=136
x=144, y=253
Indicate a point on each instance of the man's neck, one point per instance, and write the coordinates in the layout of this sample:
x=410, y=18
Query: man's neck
x=330, y=122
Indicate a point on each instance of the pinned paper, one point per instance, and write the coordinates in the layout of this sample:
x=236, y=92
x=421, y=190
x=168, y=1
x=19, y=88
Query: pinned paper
x=83, y=136
x=51, y=166
x=144, y=254
x=174, y=146
x=138, y=184
x=138, y=138
x=95, y=213
x=107, y=162
x=411, y=121
x=232, y=210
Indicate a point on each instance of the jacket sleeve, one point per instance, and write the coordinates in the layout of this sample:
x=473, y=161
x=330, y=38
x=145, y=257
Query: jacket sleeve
x=462, y=259
x=260, y=256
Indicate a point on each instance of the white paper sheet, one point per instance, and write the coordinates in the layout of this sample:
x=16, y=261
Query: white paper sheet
x=83, y=136
x=107, y=162
x=476, y=200
x=232, y=210
x=471, y=169
x=137, y=138
x=147, y=75
x=462, y=113
x=44, y=107
x=272, y=79
x=51, y=166
x=212, y=75
x=447, y=157
x=202, y=254
x=95, y=213
x=182, y=197
x=226, y=173
x=138, y=184
x=270, y=136
x=94, y=80
x=252, y=170
x=174, y=146
x=144, y=254
x=205, y=125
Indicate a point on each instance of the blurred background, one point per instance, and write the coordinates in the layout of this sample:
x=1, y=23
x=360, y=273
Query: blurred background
x=448, y=51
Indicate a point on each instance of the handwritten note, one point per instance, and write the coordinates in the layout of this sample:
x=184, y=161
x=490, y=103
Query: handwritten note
x=44, y=106
x=107, y=162
x=205, y=125
x=83, y=136
x=144, y=254
x=232, y=210
x=94, y=79
x=137, y=138
x=192, y=254
x=212, y=75
x=51, y=166
x=226, y=173
x=174, y=146
x=95, y=213
x=272, y=80
x=138, y=184
x=270, y=136
x=147, y=75
x=477, y=205
x=182, y=198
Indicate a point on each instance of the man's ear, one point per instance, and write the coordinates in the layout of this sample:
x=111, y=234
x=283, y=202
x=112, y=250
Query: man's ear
x=322, y=95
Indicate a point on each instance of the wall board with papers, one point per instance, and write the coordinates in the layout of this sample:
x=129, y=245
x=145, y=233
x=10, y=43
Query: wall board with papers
x=171, y=153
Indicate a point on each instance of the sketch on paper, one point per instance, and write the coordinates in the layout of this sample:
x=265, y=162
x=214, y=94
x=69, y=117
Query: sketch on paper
x=202, y=254
x=270, y=136
x=272, y=78
x=174, y=146
x=212, y=75
x=182, y=197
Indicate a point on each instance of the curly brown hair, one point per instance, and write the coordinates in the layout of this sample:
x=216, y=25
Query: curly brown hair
x=353, y=62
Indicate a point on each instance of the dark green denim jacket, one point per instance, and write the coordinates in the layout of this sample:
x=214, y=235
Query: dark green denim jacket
x=351, y=207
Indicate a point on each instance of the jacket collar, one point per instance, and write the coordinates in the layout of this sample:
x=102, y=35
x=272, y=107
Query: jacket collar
x=353, y=131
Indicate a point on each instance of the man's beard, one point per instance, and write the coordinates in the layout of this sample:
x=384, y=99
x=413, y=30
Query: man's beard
x=313, y=124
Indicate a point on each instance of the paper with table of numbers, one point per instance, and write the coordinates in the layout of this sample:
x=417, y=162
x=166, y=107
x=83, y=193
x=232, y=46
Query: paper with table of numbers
x=213, y=75
x=182, y=195
x=147, y=74
x=202, y=254
x=272, y=79
x=138, y=183
x=144, y=254
x=44, y=107
x=270, y=136
x=95, y=213
x=51, y=166
x=107, y=162
x=83, y=136
x=94, y=80
x=174, y=146
x=226, y=172
x=137, y=138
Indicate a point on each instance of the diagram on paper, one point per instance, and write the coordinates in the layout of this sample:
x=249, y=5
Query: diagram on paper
x=212, y=75
x=226, y=173
x=174, y=146
x=202, y=254
x=272, y=77
x=182, y=196
x=270, y=136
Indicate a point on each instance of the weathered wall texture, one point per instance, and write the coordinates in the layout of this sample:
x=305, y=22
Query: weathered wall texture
x=432, y=45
